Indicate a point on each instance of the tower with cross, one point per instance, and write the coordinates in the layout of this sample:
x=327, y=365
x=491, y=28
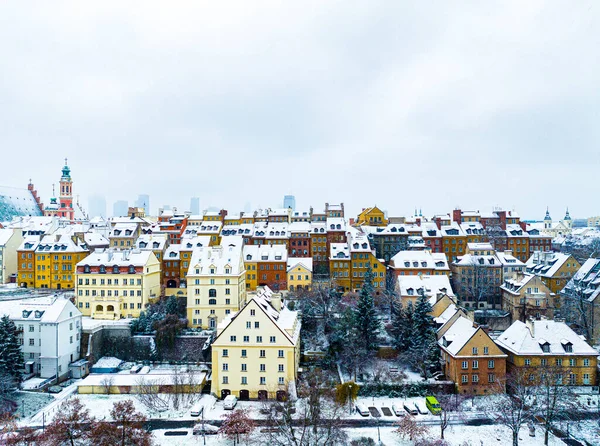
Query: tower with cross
x=65, y=195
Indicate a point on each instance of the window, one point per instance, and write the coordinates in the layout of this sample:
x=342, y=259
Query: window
x=559, y=362
x=280, y=368
x=586, y=378
x=586, y=362
x=244, y=353
x=281, y=380
x=244, y=367
x=528, y=362
x=263, y=380
x=257, y=324
x=465, y=365
x=225, y=380
x=475, y=378
x=491, y=378
x=225, y=353
x=212, y=301
x=263, y=368
x=572, y=379
x=252, y=312
x=491, y=364
x=232, y=338
x=259, y=339
x=262, y=353
x=244, y=380
x=573, y=362
x=248, y=324
x=486, y=350
x=280, y=354
x=225, y=367
x=475, y=364
x=246, y=338
x=212, y=292
x=32, y=341
x=272, y=339
x=474, y=350
x=465, y=379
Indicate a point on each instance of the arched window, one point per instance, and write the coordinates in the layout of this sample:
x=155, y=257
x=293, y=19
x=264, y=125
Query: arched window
x=212, y=293
x=99, y=308
x=115, y=269
x=131, y=269
x=212, y=301
x=110, y=308
x=102, y=269
x=86, y=269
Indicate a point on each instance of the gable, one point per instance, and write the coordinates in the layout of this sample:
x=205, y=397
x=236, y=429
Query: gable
x=441, y=305
x=237, y=328
x=480, y=339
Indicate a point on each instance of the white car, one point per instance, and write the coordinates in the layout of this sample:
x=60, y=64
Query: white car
x=229, y=402
x=397, y=409
x=196, y=410
x=421, y=407
x=410, y=408
x=362, y=409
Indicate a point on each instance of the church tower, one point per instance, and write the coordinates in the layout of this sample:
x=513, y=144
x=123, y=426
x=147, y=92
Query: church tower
x=568, y=222
x=66, y=194
x=547, y=220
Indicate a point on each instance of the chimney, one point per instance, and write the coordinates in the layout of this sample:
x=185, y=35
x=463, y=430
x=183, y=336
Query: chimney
x=457, y=215
x=523, y=225
x=530, y=323
x=485, y=328
x=438, y=222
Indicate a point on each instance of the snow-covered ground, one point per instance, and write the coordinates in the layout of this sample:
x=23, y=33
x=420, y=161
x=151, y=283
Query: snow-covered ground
x=455, y=435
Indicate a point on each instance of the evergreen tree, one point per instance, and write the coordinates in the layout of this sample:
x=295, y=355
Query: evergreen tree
x=11, y=357
x=424, y=350
x=367, y=324
x=402, y=325
x=172, y=306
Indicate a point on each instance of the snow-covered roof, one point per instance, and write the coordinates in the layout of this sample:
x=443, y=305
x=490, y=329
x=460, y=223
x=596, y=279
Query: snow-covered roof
x=419, y=260
x=336, y=224
x=265, y=253
x=111, y=257
x=53, y=244
x=160, y=377
x=425, y=284
x=546, y=264
x=17, y=202
x=457, y=335
x=5, y=236
x=528, y=339
x=446, y=314
x=122, y=230
x=508, y=259
x=339, y=251
x=227, y=256
x=42, y=309
x=151, y=241
x=306, y=262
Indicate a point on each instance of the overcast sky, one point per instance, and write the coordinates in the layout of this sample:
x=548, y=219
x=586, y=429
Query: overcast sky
x=399, y=104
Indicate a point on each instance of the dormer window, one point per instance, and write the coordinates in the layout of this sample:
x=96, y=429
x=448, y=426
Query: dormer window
x=338, y=226
x=545, y=346
x=567, y=346
x=406, y=264
x=115, y=269
x=249, y=257
x=415, y=264
x=212, y=270
x=86, y=269
x=155, y=245
x=102, y=269
x=38, y=314
x=332, y=227
x=131, y=269
x=410, y=292
x=365, y=246
x=424, y=264
x=26, y=314
x=355, y=246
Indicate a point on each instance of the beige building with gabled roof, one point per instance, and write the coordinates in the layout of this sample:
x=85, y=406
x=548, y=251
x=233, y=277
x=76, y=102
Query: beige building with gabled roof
x=256, y=352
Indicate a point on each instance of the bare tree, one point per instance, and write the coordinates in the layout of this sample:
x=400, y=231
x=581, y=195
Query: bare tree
x=107, y=383
x=237, y=423
x=577, y=308
x=70, y=426
x=515, y=407
x=553, y=397
x=149, y=394
x=451, y=409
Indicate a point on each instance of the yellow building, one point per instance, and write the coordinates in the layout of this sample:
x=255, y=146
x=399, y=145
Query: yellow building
x=124, y=235
x=526, y=296
x=339, y=266
x=257, y=352
x=56, y=259
x=117, y=284
x=216, y=283
x=555, y=268
x=371, y=217
x=363, y=258
x=299, y=273
x=547, y=345
x=26, y=256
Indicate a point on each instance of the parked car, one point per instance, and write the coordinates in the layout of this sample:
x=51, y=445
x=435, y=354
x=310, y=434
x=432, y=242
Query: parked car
x=421, y=407
x=136, y=368
x=410, y=408
x=362, y=409
x=54, y=389
x=229, y=402
x=196, y=410
x=397, y=409
x=433, y=405
x=144, y=370
x=206, y=429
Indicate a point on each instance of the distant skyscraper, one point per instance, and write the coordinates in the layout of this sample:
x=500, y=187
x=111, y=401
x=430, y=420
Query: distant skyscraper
x=143, y=201
x=195, y=206
x=120, y=208
x=97, y=206
x=289, y=201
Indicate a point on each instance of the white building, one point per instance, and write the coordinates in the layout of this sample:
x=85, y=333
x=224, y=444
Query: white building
x=50, y=332
x=10, y=240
